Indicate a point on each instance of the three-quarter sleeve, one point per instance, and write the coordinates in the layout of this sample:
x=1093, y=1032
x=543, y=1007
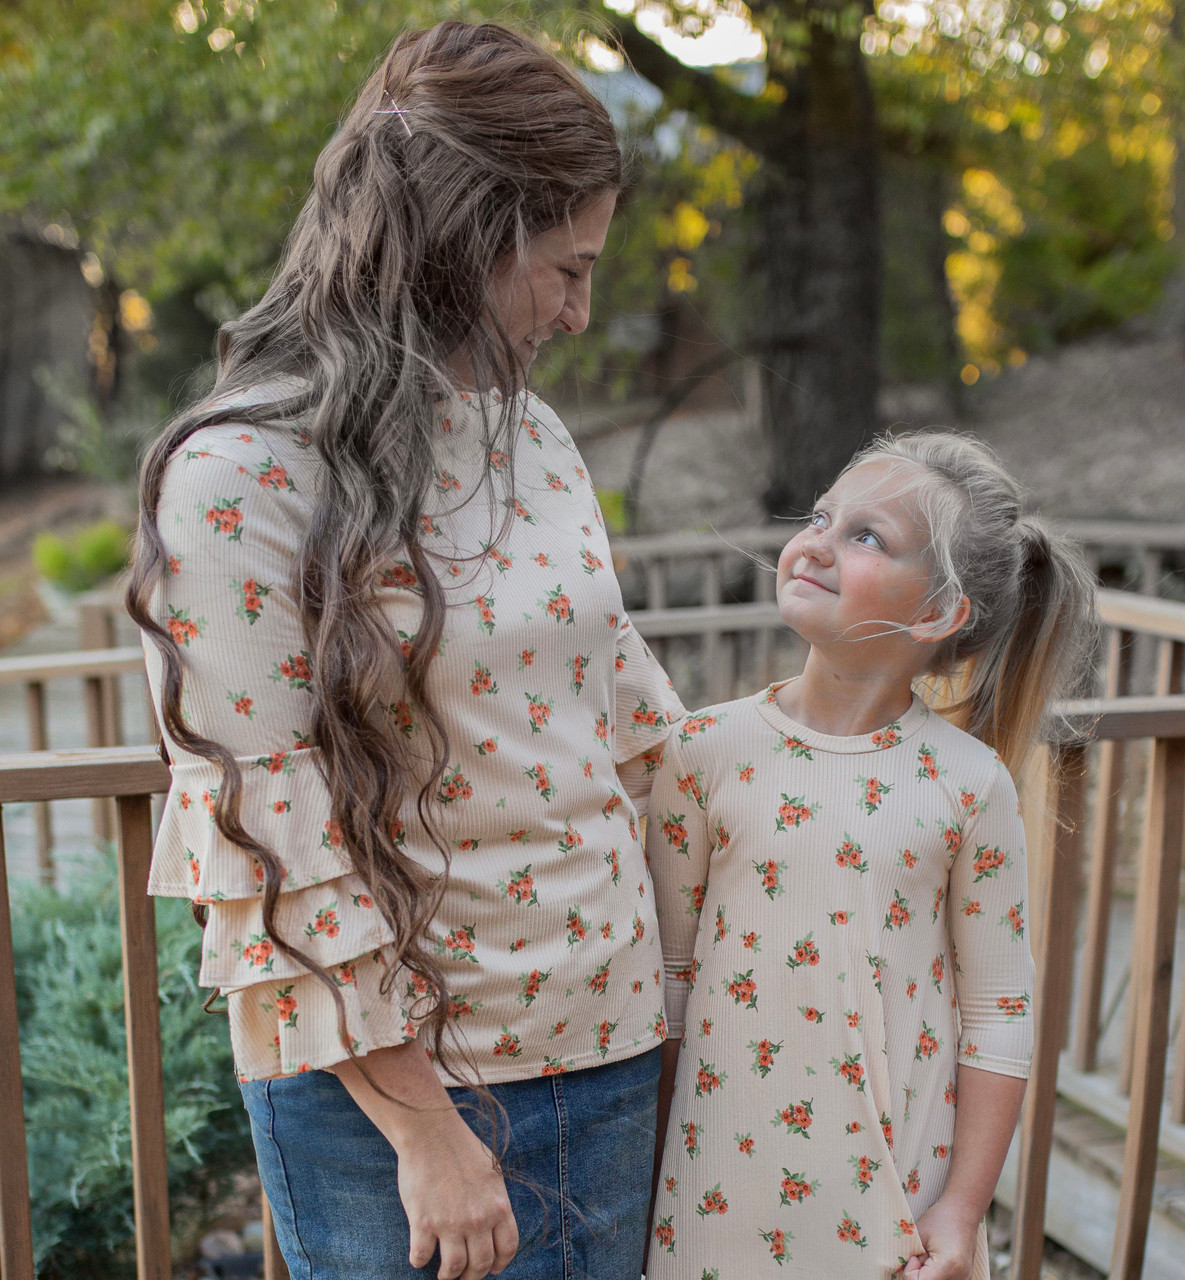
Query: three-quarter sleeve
x=987, y=919
x=678, y=848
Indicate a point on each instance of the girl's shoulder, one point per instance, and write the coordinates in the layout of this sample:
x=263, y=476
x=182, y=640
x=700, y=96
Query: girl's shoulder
x=701, y=733
x=973, y=757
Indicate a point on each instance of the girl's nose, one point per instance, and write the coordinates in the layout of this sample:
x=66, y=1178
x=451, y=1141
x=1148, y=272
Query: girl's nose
x=816, y=545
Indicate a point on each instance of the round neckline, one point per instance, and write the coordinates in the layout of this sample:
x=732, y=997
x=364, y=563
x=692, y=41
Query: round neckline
x=883, y=739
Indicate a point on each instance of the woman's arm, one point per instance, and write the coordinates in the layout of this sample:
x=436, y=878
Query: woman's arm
x=450, y=1184
x=986, y=1112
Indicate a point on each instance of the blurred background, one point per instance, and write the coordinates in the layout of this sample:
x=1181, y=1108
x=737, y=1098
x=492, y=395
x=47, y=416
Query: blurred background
x=846, y=217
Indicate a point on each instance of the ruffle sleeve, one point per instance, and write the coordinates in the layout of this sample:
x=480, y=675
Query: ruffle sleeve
x=231, y=518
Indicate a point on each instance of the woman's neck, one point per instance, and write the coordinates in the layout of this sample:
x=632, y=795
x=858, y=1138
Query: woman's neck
x=844, y=702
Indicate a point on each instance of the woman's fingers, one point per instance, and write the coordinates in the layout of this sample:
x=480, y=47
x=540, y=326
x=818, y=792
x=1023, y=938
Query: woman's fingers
x=505, y=1242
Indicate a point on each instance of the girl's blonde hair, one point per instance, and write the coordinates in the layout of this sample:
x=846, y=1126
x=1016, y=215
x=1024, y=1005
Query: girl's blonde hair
x=1032, y=633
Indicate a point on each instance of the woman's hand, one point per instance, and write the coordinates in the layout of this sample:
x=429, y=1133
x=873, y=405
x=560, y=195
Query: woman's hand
x=449, y=1183
x=454, y=1196
x=947, y=1233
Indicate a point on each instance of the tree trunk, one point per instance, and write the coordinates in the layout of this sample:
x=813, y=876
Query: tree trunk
x=820, y=243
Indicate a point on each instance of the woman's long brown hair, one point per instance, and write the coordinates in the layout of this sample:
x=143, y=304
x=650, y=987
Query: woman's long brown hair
x=464, y=143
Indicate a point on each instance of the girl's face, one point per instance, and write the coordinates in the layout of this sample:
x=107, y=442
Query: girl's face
x=860, y=563
x=549, y=288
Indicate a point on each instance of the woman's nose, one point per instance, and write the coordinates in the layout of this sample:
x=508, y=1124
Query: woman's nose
x=577, y=306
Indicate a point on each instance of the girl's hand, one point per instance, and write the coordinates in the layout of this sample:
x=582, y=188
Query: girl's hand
x=453, y=1194
x=948, y=1235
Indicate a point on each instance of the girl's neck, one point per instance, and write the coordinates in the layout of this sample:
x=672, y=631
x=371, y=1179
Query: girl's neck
x=844, y=703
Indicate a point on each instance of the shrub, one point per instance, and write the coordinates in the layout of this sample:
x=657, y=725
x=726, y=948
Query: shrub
x=84, y=560
x=74, y=1068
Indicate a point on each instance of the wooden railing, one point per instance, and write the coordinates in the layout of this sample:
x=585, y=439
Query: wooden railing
x=130, y=776
x=99, y=670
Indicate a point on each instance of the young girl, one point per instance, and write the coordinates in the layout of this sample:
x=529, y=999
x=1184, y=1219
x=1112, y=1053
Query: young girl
x=840, y=879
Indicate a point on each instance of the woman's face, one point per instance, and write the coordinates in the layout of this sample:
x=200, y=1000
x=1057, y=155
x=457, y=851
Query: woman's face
x=549, y=287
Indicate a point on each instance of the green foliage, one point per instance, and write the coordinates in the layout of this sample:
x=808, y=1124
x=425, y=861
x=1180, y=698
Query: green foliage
x=93, y=441
x=74, y=1066
x=83, y=560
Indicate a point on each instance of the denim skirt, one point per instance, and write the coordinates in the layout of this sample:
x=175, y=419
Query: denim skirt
x=577, y=1166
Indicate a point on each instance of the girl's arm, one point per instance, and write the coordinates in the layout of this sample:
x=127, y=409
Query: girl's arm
x=986, y=1115
x=449, y=1182
x=993, y=973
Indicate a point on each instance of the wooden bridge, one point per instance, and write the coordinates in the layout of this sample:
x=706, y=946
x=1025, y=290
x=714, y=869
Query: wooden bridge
x=1106, y=819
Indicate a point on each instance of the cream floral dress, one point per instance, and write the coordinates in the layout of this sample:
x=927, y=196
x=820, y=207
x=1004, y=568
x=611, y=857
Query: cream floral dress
x=549, y=698
x=843, y=921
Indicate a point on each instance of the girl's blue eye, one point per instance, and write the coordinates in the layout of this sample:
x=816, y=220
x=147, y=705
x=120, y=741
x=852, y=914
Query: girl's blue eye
x=818, y=519
x=875, y=541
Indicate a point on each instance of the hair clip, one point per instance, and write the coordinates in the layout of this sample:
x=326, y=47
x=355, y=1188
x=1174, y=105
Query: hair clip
x=393, y=110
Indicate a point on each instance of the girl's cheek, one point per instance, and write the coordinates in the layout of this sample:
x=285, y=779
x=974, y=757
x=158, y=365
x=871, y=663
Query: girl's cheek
x=786, y=562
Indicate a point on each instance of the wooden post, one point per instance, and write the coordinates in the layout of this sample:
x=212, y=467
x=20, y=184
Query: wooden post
x=101, y=808
x=1103, y=856
x=765, y=588
x=39, y=741
x=274, y=1266
x=96, y=630
x=16, y=1225
x=1051, y=1006
x=656, y=598
x=1168, y=680
x=1157, y=900
x=717, y=678
x=150, y=1173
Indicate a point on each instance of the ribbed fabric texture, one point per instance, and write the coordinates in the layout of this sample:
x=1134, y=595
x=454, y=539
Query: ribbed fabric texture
x=547, y=928
x=842, y=924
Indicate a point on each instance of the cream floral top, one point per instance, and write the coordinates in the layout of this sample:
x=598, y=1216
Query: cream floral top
x=549, y=698
x=843, y=920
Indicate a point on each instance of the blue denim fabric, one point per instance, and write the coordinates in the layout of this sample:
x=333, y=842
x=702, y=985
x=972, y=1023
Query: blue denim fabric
x=578, y=1174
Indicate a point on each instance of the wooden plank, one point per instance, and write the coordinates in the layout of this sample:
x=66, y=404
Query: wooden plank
x=1103, y=855
x=1150, y=616
x=16, y=1224
x=659, y=623
x=128, y=660
x=39, y=741
x=1051, y=1006
x=1148, y=716
x=74, y=775
x=150, y=1171
x=1126, y=533
x=1156, y=918
x=274, y=1266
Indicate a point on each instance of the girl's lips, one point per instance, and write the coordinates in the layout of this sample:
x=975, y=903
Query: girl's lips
x=802, y=577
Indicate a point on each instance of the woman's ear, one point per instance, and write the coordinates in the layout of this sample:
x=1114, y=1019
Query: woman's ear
x=935, y=627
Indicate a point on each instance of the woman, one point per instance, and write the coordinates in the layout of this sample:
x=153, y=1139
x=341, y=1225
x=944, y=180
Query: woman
x=411, y=727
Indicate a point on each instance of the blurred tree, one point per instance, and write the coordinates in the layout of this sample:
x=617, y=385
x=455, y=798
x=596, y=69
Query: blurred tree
x=1052, y=128
x=816, y=207
x=178, y=140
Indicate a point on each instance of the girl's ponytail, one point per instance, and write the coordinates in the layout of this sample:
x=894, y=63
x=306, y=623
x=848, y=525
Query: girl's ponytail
x=1033, y=630
x=1046, y=654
